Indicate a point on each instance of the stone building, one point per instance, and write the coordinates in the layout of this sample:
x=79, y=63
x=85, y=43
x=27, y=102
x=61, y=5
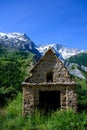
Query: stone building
x=49, y=86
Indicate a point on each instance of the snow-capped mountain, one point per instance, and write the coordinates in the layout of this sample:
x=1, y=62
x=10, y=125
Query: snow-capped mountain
x=63, y=53
x=18, y=41
x=20, y=36
x=61, y=50
x=56, y=47
x=43, y=48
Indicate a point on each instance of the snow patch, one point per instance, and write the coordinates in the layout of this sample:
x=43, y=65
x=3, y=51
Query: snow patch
x=14, y=35
x=63, y=51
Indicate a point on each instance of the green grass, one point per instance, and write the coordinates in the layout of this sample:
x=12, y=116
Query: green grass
x=12, y=119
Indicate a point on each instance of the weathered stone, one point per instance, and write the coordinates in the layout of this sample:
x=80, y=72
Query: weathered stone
x=49, y=74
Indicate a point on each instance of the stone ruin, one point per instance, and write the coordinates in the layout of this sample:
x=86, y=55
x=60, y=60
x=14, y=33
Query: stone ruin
x=49, y=86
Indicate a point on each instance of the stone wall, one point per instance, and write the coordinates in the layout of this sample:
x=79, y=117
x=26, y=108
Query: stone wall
x=68, y=98
x=28, y=100
x=49, y=63
x=37, y=81
x=71, y=97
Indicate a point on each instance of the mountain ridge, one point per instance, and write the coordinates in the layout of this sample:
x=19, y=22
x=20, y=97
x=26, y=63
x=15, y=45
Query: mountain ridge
x=20, y=41
x=63, y=51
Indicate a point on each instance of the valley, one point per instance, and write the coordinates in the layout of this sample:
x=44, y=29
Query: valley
x=18, y=54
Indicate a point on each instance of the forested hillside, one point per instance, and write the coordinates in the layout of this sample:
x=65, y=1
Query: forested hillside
x=14, y=67
x=79, y=59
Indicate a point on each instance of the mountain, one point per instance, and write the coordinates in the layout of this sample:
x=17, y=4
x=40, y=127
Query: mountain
x=16, y=61
x=77, y=65
x=18, y=41
x=72, y=57
x=75, y=60
x=60, y=50
x=80, y=59
x=77, y=70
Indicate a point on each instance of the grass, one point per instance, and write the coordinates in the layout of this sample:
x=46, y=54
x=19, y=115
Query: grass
x=12, y=119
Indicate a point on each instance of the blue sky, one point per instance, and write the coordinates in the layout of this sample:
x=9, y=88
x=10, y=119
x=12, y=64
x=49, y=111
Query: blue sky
x=47, y=21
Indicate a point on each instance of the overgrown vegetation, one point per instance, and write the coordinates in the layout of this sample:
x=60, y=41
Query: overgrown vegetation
x=81, y=93
x=14, y=66
x=12, y=119
x=13, y=69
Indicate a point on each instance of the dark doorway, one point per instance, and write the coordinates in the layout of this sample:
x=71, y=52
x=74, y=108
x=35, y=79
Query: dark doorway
x=49, y=100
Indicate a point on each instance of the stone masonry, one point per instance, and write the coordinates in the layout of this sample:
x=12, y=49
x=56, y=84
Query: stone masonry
x=49, y=74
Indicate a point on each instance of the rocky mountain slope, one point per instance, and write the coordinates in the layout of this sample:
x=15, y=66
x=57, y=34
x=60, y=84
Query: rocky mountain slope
x=17, y=41
x=74, y=59
x=77, y=65
x=20, y=41
x=77, y=70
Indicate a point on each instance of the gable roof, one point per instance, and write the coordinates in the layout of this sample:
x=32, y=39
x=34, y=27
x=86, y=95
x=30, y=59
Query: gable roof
x=43, y=59
x=50, y=50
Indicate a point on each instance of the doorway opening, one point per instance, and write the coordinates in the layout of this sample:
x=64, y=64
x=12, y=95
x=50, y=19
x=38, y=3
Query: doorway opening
x=49, y=100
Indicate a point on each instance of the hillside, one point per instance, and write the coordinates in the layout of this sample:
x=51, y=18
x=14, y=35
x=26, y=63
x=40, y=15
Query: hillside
x=80, y=59
x=14, y=67
x=77, y=66
x=18, y=54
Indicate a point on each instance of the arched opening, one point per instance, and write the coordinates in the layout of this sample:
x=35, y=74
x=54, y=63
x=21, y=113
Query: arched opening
x=49, y=77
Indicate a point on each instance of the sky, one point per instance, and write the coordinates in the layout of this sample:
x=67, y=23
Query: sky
x=47, y=21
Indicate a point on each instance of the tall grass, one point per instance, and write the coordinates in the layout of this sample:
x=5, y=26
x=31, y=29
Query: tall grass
x=12, y=119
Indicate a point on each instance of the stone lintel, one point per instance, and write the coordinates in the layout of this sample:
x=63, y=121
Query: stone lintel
x=49, y=84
